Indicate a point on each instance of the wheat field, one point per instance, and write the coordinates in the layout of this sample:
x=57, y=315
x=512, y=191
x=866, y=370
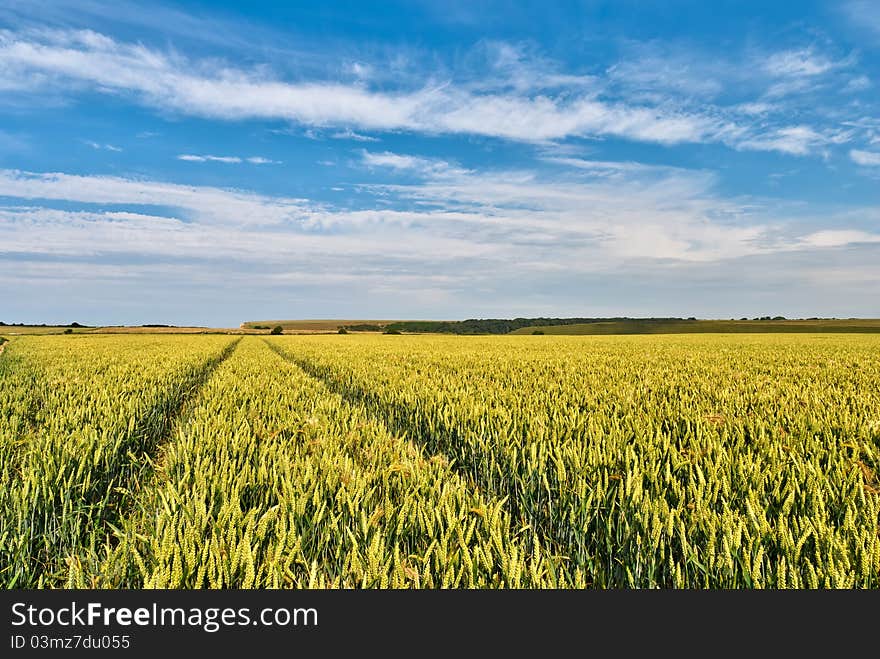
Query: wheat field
x=675, y=461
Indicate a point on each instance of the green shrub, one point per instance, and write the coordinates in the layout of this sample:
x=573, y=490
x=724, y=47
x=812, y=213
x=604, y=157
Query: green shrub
x=277, y=330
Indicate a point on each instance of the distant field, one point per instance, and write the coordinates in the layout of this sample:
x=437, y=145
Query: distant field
x=867, y=326
x=20, y=330
x=172, y=330
x=636, y=326
x=327, y=325
x=15, y=330
x=597, y=327
x=290, y=326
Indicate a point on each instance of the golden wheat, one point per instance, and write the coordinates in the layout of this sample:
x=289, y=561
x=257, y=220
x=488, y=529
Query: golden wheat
x=441, y=462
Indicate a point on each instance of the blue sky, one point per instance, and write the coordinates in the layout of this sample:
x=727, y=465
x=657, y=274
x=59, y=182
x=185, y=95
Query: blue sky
x=209, y=163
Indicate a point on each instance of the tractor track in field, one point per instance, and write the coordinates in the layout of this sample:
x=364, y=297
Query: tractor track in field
x=413, y=426
x=139, y=466
x=172, y=408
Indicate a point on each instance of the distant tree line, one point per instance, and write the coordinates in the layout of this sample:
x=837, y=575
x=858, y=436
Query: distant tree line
x=508, y=325
x=502, y=325
x=363, y=327
x=2, y=324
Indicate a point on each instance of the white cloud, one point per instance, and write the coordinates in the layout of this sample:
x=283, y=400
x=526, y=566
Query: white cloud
x=859, y=83
x=756, y=108
x=432, y=167
x=173, y=83
x=865, y=158
x=494, y=215
x=501, y=66
x=450, y=233
x=598, y=167
x=794, y=140
x=393, y=160
x=799, y=63
x=655, y=69
x=361, y=70
x=210, y=205
x=522, y=97
x=349, y=134
x=789, y=87
x=839, y=238
x=543, y=118
x=105, y=147
x=193, y=158
x=801, y=72
x=254, y=160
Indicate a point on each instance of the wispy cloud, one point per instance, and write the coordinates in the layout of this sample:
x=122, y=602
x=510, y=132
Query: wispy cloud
x=433, y=167
x=501, y=66
x=254, y=160
x=865, y=158
x=795, y=140
x=754, y=90
x=173, y=83
x=521, y=97
x=605, y=167
x=653, y=70
x=756, y=108
x=104, y=147
x=349, y=134
x=805, y=62
x=157, y=17
x=193, y=158
x=802, y=71
x=650, y=213
x=442, y=234
x=838, y=238
x=858, y=84
x=209, y=204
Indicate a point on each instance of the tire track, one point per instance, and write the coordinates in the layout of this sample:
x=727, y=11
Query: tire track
x=155, y=430
x=486, y=471
x=58, y=532
x=288, y=484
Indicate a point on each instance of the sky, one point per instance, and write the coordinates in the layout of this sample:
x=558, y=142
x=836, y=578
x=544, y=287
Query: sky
x=209, y=163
